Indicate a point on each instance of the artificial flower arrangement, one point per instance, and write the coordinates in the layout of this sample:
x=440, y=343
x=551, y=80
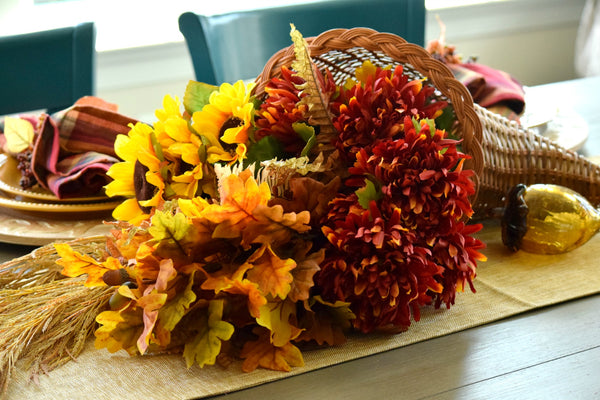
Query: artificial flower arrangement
x=253, y=225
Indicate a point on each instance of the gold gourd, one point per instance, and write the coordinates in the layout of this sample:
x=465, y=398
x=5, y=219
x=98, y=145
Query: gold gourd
x=547, y=219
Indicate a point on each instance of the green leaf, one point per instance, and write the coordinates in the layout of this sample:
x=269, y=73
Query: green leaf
x=446, y=120
x=367, y=193
x=306, y=133
x=167, y=226
x=206, y=346
x=267, y=148
x=196, y=96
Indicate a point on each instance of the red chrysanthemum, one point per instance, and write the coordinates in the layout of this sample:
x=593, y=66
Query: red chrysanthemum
x=412, y=237
x=374, y=111
x=375, y=265
x=280, y=110
x=422, y=172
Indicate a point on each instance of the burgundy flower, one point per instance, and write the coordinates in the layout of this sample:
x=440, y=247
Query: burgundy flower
x=280, y=110
x=374, y=111
x=411, y=246
x=374, y=264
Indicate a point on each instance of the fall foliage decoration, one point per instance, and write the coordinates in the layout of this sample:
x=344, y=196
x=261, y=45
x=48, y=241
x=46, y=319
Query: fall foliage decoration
x=253, y=226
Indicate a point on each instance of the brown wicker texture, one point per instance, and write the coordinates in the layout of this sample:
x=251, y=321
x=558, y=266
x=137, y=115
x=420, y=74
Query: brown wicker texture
x=514, y=155
x=503, y=154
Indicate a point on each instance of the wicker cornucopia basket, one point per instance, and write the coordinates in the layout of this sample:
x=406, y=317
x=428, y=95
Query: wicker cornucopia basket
x=503, y=154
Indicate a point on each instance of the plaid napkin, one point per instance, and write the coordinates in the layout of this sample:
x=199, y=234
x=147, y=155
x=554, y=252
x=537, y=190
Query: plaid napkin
x=74, y=148
x=493, y=89
x=489, y=87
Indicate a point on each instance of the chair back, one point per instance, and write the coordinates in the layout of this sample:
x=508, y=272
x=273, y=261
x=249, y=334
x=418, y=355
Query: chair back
x=232, y=46
x=47, y=70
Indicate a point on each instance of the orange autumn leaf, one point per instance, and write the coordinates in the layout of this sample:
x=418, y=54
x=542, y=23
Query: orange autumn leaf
x=75, y=264
x=310, y=195
x=147, y=264
x=271, y=225
x=325, y=322
x=236, y=284
x=223, y=280
x=119, y=330
x=307, y=266
x=263, y=353
x=239, y=197
x=150, y=303
x=271, y=273
x=276, y=316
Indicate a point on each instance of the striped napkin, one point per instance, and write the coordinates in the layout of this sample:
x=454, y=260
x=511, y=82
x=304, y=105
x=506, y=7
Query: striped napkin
x=75, y=147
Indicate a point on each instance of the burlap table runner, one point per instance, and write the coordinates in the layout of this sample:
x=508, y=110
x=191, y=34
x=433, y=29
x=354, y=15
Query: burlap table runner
x=507, y=284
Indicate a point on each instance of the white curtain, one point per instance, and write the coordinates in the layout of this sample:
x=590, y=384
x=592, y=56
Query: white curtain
x=587, y=45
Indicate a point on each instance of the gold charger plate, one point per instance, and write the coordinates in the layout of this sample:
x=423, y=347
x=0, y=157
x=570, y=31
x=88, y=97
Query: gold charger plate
x=57, y=208
x=9, y=183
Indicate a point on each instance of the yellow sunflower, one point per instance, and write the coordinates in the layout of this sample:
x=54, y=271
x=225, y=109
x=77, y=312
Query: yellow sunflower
x=226, y=121
x=139, y=176
x=186, y=151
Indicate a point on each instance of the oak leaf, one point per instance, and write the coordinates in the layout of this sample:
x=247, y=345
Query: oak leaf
x=236, y=284
x=150, y=303
x=171, y=313
x=271, y=225
x=263, y=353
x=276, y=316
x=76, y=264
x=310, y=195
x=307, y=266
x=325, y=322
x=239, y=197
x=206, y=345
x=174, y=234
x=271, y=273
x=119, y=330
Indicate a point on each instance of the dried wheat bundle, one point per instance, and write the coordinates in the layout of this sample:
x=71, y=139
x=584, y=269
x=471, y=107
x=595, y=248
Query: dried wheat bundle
x=45, y=318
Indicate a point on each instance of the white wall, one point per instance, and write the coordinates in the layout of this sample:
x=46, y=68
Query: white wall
x=531, y=39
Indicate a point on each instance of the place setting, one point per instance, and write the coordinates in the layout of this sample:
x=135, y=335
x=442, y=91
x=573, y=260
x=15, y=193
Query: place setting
x=53, y=171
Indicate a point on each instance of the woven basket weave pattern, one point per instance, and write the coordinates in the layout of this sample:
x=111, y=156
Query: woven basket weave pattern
x=503, y=154
x=514, y=155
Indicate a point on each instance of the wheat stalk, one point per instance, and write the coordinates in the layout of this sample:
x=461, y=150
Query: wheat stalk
x=45, y=319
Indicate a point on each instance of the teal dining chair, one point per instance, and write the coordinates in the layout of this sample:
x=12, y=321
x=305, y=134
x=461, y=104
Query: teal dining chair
x=47, y=70
x=236, y=45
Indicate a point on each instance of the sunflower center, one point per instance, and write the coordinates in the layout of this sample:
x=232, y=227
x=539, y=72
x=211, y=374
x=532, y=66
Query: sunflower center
x=143, y=189
x=231, y=122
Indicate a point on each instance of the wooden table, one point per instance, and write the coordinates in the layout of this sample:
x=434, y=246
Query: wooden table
x=549, y=353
